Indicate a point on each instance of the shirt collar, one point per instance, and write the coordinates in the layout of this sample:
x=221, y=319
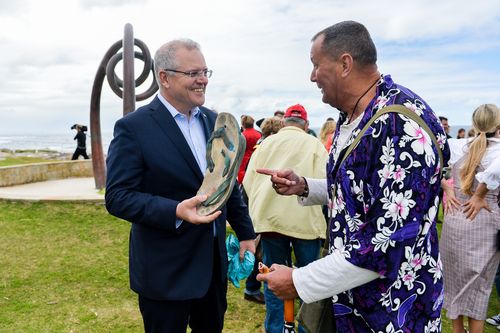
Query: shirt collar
x=195, y=112
x=292, y=128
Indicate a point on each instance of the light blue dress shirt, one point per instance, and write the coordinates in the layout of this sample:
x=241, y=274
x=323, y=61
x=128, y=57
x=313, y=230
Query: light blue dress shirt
x=192, y=129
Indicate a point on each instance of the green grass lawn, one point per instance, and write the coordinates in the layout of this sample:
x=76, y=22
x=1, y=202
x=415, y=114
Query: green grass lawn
x=16, y=160
x=63, y=268
x=27, y=156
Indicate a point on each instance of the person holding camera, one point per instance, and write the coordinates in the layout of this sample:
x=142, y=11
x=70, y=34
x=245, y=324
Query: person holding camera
x=81, y=143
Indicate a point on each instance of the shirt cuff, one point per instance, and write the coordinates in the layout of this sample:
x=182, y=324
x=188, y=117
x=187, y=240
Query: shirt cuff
x=329, y=276
x=318, y=194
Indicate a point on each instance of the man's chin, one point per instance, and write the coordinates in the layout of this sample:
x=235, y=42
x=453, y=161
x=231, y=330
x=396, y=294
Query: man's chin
x=199, y=101
x=325, y=100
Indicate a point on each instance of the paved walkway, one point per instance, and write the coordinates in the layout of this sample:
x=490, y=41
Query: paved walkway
x=70, y=189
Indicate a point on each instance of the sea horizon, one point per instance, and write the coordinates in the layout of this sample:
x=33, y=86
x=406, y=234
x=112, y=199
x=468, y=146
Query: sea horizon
x=53, y=141
x=63, y=141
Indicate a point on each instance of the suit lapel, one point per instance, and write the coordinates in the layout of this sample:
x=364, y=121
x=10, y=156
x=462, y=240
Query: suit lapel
x=169, y=127
x=208, y=123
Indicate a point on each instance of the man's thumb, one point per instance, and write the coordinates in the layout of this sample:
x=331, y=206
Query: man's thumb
x=200, y=198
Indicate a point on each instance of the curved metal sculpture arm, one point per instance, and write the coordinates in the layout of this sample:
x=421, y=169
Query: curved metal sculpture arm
x=119, y=87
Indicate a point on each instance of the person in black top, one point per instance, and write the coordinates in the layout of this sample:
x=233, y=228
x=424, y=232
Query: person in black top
x=81, y=146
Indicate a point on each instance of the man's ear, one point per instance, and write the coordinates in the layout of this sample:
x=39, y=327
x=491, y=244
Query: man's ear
x=165, y=79
x=347, y=63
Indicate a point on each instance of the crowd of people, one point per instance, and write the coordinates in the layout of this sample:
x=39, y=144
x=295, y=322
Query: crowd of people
x=368, y=188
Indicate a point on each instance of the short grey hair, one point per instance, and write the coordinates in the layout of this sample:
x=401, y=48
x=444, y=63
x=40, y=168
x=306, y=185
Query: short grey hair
x=295, y=121
x=165, y=57
x=349, y=37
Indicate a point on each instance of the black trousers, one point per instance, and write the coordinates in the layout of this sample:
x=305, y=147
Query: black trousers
x=78, y=152
x=202, y=315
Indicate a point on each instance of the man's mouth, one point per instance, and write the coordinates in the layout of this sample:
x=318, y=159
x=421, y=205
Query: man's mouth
x=199, y=90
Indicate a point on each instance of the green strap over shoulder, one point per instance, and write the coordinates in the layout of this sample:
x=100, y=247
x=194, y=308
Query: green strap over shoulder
x=397, y=108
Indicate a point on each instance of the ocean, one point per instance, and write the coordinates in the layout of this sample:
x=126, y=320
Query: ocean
x=60, y=142
x=64, y=143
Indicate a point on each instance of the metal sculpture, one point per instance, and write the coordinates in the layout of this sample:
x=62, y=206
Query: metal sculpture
x=124, y=89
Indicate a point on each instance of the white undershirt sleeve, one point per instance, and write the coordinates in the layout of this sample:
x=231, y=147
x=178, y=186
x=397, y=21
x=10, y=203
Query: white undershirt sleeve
x=318, y=194
x=329, y=276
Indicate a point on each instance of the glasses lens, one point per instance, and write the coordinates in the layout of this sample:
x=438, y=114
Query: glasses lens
x=193, y=74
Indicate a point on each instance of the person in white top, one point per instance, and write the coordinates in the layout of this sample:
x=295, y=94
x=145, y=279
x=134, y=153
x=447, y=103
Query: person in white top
x=468, y=239
x=488, y=179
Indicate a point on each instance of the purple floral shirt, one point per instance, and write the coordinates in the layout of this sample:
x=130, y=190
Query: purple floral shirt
x=383, y=218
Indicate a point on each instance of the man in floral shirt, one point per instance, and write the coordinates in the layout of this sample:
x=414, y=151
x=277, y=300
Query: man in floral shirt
x=383, y=269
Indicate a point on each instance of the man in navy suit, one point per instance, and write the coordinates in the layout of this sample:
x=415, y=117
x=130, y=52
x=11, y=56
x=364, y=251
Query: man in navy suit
x=156, y=162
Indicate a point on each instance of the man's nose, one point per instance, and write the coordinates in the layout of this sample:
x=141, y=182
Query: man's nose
x=202, y=79
x=312, y=77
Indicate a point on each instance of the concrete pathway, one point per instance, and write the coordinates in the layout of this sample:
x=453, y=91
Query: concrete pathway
x=70, y=189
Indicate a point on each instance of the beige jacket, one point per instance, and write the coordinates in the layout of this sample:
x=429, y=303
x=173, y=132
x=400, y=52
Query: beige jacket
x=291, y=148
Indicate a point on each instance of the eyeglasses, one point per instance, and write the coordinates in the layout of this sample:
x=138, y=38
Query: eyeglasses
x=192, y=74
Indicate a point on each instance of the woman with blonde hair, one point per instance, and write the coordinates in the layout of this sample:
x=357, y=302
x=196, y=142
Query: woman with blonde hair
x=468, y=240
x=326, y=133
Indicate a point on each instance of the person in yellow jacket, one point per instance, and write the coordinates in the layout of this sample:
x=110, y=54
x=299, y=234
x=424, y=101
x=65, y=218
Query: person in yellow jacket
x=282, y=222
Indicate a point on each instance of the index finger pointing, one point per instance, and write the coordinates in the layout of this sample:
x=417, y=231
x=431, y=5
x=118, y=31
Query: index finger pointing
x=264, y=171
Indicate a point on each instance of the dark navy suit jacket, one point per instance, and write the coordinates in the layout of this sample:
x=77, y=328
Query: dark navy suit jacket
x=150, y=169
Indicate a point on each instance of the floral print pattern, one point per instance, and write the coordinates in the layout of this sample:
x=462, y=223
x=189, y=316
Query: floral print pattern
x=383, y=206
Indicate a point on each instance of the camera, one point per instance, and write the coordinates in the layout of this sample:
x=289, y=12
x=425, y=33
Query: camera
x=83, y=128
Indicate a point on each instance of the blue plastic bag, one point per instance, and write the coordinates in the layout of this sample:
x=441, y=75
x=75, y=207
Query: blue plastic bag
x=237, y=270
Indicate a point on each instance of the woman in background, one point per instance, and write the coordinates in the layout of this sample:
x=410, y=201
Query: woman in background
x=251, y=137
x=468, y=240
x=270, y=126
x=326, y=133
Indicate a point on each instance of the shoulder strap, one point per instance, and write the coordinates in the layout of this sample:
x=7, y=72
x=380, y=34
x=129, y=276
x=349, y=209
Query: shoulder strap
x=398, y=108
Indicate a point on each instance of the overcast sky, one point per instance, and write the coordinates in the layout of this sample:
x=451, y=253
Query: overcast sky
x=448, y=52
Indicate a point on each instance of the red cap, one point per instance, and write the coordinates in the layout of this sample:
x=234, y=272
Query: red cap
x=296, y=110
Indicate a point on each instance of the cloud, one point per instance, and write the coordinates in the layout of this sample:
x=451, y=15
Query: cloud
x=8, y=7
x=91, y=4
x=445, y=51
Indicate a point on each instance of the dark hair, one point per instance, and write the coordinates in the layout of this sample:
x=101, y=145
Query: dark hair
x=349, y=37
x=441, y=118
x=82, y=128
